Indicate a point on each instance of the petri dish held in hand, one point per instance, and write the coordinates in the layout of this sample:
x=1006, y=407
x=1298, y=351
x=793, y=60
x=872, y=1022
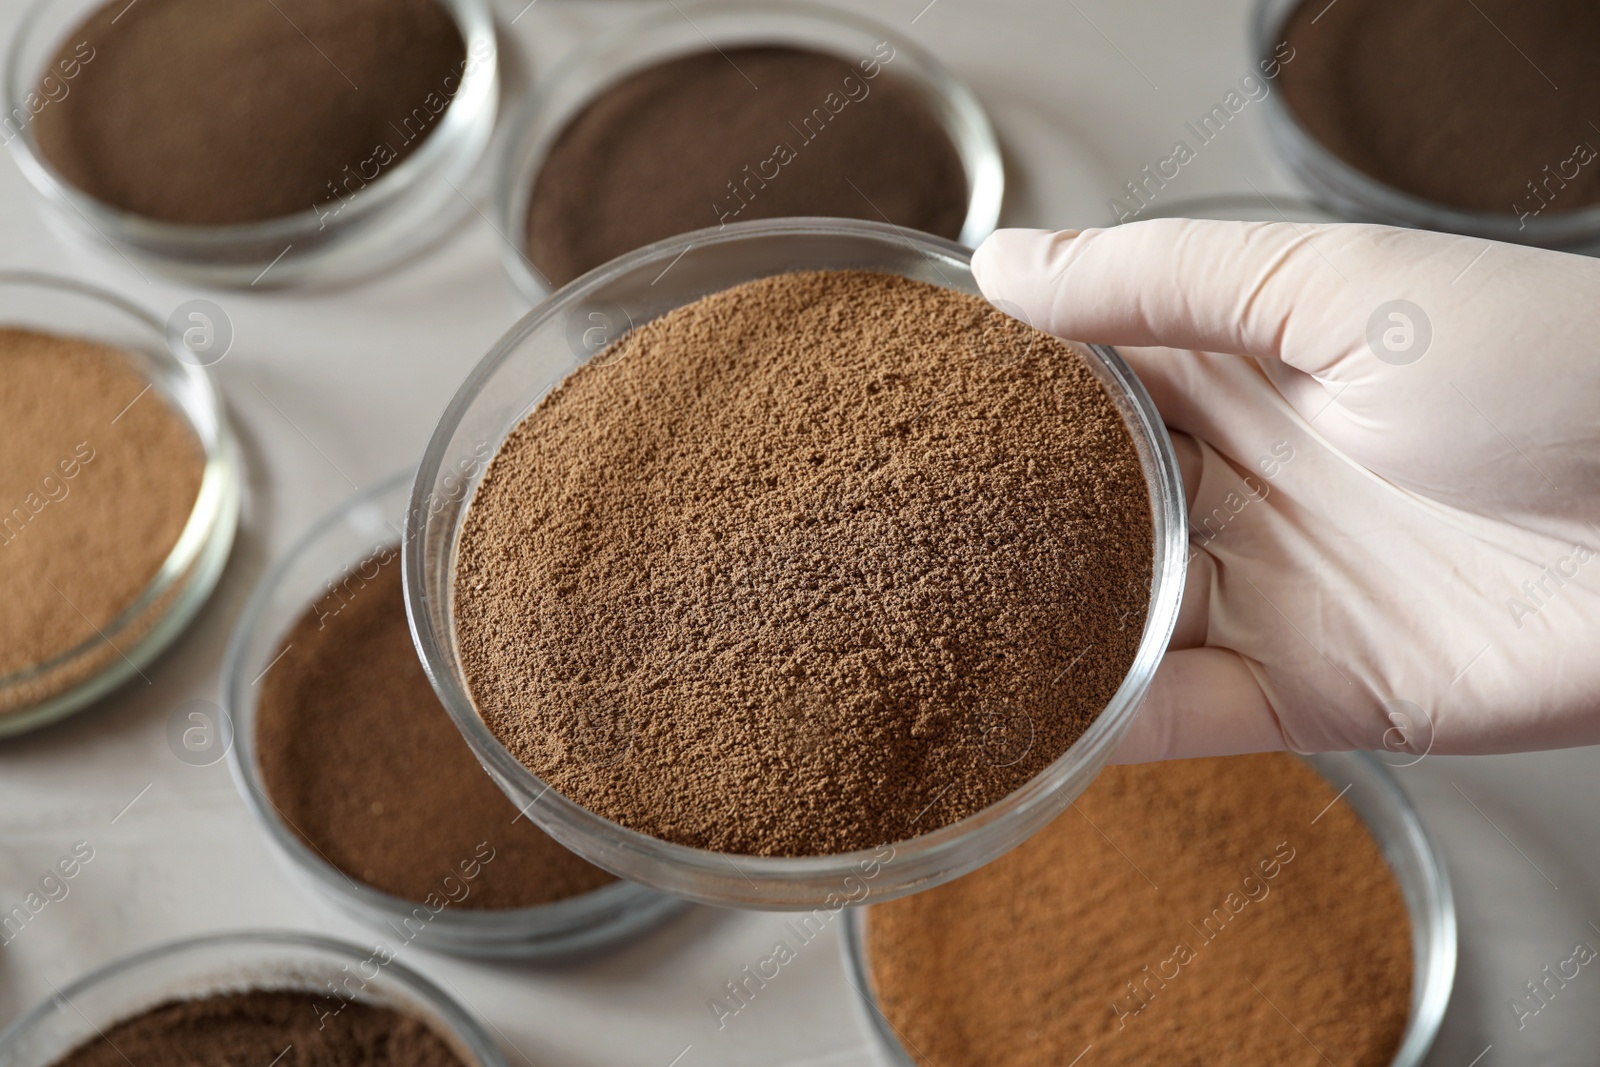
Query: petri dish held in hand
x=800, y=560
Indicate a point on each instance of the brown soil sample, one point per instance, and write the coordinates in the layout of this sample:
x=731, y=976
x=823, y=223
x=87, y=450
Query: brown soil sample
x=99, y=479
x=363, y=762
x=282, y=1028
x=213, y=112
x=1067, y=942
x=747, y=133
x=1455, y=102
x=819, y=562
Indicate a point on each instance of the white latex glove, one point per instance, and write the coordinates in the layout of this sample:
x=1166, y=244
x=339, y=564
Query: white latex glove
x=1398, y=553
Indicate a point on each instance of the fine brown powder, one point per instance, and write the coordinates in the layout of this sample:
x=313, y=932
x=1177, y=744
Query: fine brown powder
x=215, y=112
x=741, y=134
x=815, y=563
x=99, y=479
x=262, y=1027
x=1455, y=102
x=1195, y=912
x=362, y=761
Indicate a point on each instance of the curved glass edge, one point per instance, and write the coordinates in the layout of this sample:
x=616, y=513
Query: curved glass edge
x=965, y=120
x=572, y=926
x=1355, y=196
x=1424, y=880
x=853, y=946
x=195, y=563
x=464, y=1028
x=770, y=882
x=211, y=255
x=1411, y=853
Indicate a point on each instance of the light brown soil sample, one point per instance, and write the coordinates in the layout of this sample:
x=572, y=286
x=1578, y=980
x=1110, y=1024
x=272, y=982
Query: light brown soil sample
x=267, y=1027
x=741, y=134
x=362, y=761
x=215, y=112
x=1188, y=912
x=99, y=479
x=819, y=562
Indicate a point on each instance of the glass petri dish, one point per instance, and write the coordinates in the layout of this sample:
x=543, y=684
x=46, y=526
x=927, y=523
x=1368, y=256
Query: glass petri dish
x=1355, y=196
x=367, y=521
x=666, y=34
x=234, y=962
x=393, y=217
x=48, y=691
x=1406, y=847
x=547, y=345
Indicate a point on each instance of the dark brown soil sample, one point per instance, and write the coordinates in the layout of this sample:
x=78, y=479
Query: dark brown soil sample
x=362, y=761
x=819, y=562
x=747, y=133
x=1488, y=105
x=264, y=1027
x=1193, y=912
x=211, y=112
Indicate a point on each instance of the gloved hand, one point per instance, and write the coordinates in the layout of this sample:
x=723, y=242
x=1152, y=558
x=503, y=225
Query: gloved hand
x=1394, y=507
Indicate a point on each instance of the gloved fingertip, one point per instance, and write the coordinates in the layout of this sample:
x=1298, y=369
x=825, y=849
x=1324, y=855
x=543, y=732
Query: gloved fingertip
x=1009, y=257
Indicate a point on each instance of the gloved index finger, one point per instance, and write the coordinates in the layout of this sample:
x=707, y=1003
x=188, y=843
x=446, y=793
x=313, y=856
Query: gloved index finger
x=1276, y=290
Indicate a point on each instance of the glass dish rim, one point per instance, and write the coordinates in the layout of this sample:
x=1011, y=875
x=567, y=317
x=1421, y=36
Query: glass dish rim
x=470, y=17
x=215, y=513
x=556, y=915
x=513, y=180
x=1382, y=201
x=1170, y=545
x=1438, y=971
x=464, y=1025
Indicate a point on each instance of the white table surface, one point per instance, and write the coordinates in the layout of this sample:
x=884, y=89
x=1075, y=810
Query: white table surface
x=333, y=390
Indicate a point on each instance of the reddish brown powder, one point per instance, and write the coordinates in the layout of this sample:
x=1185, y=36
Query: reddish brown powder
x=819, y=562
x=99, y=478
x=361, y=759
x=1190, y=880
x=263, y=1027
